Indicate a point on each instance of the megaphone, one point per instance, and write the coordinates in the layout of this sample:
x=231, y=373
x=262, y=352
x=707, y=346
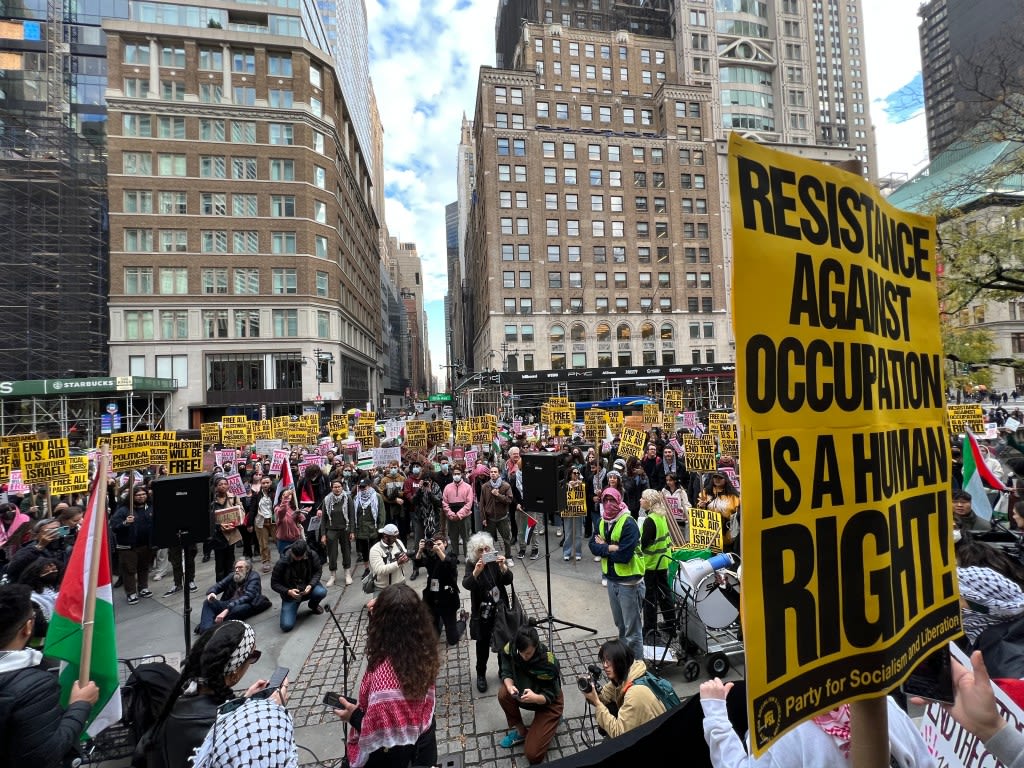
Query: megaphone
x=696, y=569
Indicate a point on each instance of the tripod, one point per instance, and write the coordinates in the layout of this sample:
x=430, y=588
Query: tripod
x=550, y=620
x=187, y=609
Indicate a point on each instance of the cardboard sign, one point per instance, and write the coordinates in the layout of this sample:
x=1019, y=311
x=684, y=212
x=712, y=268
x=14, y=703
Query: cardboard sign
x=279, y=458
x=575, y=500
x=632, y=442
x=393, y=428
x=185, y=456
x=463, y=432
x=716, y=420
x=230, y=516
x=848, y=569
x=367, y=435
x=234, y=435
x=128, y=458
x=699, y=453
x=652, y=415
x=705, y=529
x=439, y=431
x=235, y=485
x=728, y=439
x=267, y=447
x=383, y=456
x=37, y=451
x=964, y=417
x=209, y=433
x=16, y=486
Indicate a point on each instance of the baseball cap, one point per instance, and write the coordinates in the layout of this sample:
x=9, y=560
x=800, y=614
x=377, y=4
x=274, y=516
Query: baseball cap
x=389, y=530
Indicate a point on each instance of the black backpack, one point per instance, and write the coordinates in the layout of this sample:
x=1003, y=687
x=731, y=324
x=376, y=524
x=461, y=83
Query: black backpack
x=144, y=694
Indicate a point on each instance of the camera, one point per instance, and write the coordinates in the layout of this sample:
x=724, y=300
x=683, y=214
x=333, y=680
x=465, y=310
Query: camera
x=590, y=681
x=490, y=557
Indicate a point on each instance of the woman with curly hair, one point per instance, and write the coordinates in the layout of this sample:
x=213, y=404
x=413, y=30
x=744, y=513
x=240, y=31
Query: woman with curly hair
x=393, y=719
x=721, y=496
x=219, y=659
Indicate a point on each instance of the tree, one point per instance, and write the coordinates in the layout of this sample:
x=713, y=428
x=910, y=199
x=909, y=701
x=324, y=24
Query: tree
x=969, y=350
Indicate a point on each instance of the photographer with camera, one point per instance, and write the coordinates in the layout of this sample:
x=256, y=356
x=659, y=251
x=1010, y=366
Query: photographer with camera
x=530, y=680
x=624, y=703
x=441, y=594
x=487, y=579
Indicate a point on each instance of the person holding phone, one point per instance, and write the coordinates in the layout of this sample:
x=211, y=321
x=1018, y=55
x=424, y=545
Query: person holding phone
x=392, y=718
x=530, y=680
x=487, y=579
x=218, y=661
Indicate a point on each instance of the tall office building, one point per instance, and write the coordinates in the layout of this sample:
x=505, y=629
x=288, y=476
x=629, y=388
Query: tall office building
x=53, y=225
x=406, y=270
x=244, y=254
x=592, y=250
x=970, y=52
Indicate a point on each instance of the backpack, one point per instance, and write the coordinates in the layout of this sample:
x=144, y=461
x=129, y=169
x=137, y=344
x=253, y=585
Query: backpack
x=144, y=694
x=660, y=687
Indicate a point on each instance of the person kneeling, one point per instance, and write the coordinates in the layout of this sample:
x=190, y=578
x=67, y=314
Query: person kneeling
x=241, y=596
x=623, y=704
x=296, y=578
x=530, y=680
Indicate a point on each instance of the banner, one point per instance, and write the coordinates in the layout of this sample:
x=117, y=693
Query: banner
x=699, y=454
x=575, y=500
x=847, y=558
x=280, y=457
x=416, y=434
x=964, y=417
x=235, y=485
x=705, y=529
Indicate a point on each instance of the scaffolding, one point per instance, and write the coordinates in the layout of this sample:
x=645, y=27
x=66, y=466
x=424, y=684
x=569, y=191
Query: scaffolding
x=54, y=246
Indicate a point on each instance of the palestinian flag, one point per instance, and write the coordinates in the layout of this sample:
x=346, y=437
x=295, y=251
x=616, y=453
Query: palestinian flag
x=365, y=461
x=978, y=478
x=65, y=635
x=286, y=481
x=531, y=523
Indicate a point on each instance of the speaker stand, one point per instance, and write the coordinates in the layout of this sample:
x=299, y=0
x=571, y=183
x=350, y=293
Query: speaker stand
x=186, y=591
x=550, y=620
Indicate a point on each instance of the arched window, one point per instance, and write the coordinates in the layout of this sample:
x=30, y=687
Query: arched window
x=604, y=331
x=647, y=331
x=578, y=332
x=622, y=333
x=557, y=334
x=668, y=332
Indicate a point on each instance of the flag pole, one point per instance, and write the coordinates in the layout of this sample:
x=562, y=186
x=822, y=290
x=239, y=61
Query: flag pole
x=89, y=606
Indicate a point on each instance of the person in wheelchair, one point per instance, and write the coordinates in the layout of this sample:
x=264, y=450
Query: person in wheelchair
x=621, y=705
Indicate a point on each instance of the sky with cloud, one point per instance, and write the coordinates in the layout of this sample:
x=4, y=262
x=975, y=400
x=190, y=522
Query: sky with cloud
x=424, y=60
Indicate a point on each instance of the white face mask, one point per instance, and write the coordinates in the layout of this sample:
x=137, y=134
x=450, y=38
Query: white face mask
x=457, y=478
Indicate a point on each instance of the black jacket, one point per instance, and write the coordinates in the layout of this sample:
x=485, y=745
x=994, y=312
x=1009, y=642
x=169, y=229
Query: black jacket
x=295, y=574
x=246, y=593
x=480, y=588
x=34, y=730
x=137, y=533
x=184, y=730
x=442, y=588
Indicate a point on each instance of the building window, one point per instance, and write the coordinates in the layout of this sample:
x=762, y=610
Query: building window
x=284, y=281
x=171, y=128
x=243, y=168
x=136, y=125
x=138, y=325
x=138, y=201
x=173, y=281
x=215, y=280
x=282, y=133
x=174, y=324
x=509, y=306
x=323, y=324
x=322, y=289
x=173, y=240
x=136, y=365
x=283, y=242
x=246, y=241
x=138, y=281
x=213, y=204
x=282, y=206
x=243, y=131
x=286, y=322
x=282, y=170
x=247, y=323
x=214, y=241
x=247, y=281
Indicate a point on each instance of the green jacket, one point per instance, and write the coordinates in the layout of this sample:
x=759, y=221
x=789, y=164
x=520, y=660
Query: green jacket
x=540, y=674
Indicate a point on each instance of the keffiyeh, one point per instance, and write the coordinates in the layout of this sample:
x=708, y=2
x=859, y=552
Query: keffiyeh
x=241, y=653
x=259, y=734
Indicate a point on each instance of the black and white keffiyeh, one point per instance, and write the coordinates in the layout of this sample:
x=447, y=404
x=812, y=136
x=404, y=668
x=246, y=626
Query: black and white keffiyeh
x=245, y=647
x=259, y=734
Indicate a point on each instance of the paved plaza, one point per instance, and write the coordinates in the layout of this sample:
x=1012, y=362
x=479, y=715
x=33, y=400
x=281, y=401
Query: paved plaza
x=469, y=724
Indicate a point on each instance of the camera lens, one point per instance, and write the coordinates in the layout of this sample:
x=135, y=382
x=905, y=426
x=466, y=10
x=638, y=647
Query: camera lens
x=584, y=684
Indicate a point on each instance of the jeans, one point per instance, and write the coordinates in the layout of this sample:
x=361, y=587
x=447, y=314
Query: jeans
x=290, y=608
x=211, y=609
x=626, y=601
x=573, y=536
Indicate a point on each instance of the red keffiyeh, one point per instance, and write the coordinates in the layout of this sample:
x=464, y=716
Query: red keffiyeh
x=837, y=725
x=389, y=719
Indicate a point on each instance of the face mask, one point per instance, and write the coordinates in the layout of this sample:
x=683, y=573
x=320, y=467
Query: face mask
x=444, y=466
x=457, y=478
x=347, y=474
x=393, y=473
x=415, y=470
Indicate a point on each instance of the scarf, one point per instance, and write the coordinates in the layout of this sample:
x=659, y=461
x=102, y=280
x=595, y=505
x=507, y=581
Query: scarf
x=368, y=498
x=19, y=520
x=245, y=646
x=837, y=725
x=330, y=500
x=258, y=734
x=496, y=484
x=389, y=718
x=611, y=511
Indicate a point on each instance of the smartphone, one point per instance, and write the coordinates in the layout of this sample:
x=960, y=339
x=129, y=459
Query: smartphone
x=63, y=531
x=490, y=557
x=932, y=679
x=276, y=681
x=335, y=701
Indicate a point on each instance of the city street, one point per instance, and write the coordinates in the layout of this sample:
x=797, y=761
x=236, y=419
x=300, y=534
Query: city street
x=469, y=724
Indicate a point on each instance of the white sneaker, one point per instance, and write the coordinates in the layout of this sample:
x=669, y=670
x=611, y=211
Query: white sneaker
x=348, y=577
x=604, y=581
x=578, y=558
x=597, y=559
x=330, y=581
x=510, y=562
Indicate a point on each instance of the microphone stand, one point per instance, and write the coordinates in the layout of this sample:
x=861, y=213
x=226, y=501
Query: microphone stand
x=347, y=655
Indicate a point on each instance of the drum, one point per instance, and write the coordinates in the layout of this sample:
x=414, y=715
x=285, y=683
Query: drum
x=716, y=605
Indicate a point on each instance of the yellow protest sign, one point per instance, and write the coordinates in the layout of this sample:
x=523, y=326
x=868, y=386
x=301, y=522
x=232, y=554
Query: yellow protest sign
x=673, y=401
x=366, y=435
x=463, y=432
x=76, y=479
x=848, y=569
x=575, y=500
x=235, y=420
x=36, y=451
x=6, y=458
x=368, y=417
x=184, y=456
x=705, y=529
x=699, y=453
x=715, y=421
x=416, y=434
x=616, y=420
x=728, y=440
x=652, y=415
x=632, y=442
x=209, y=433
x=439, y=431
x=964, y=417
x=122, y=459
x=234, y=435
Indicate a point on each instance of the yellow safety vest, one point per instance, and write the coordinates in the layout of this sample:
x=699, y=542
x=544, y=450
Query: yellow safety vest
x=656, y=555
x=635, y=567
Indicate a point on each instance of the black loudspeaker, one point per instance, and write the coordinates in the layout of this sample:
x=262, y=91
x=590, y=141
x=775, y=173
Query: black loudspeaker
x=542, y=477
x=181, y=504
